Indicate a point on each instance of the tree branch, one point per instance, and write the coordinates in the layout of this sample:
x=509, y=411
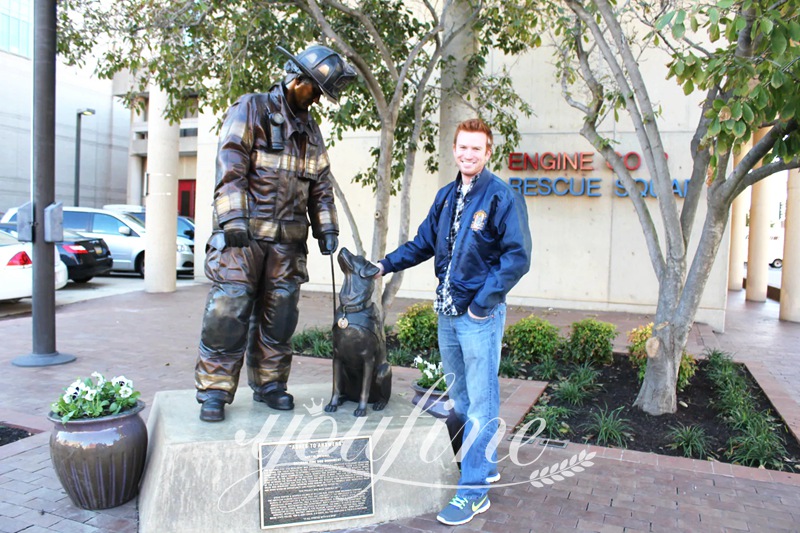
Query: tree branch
x=700, y=159
x=366, y=72
x=373, y=32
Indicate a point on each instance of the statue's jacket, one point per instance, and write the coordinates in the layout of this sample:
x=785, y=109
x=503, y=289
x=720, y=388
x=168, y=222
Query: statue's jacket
x=273, y=170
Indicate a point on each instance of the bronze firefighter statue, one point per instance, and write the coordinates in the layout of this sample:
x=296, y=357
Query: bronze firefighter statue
x=273, y=176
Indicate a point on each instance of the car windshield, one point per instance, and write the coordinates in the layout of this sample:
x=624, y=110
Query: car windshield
x=133, y=221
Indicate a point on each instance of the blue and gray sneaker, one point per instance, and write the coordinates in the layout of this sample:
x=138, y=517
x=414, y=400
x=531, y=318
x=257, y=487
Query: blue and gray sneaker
x=492, y=478
x=462, y=510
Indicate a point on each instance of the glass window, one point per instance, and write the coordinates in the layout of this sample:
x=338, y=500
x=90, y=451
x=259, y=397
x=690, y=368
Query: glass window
x=77, y=220
x=106, y=224
x=15, y=26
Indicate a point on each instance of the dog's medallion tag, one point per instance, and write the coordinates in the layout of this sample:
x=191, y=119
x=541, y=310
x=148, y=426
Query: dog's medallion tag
x=343, y=323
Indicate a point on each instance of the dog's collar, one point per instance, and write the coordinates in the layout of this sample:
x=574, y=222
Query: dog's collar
x=355, y=308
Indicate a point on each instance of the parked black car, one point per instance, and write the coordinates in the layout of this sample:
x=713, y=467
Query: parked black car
x=85, y=257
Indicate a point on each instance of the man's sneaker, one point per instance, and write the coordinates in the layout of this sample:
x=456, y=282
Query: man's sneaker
x=492, y=478
x=462, y=510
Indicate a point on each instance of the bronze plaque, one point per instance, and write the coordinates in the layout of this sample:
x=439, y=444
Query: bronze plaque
x=315, y=481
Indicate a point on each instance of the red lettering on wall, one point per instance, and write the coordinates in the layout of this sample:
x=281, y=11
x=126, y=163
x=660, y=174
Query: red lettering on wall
x=586, y=161
x=550, y=161
x=515, y=161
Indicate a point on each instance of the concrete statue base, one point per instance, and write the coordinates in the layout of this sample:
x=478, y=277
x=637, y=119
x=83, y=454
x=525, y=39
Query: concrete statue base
x=205, y=476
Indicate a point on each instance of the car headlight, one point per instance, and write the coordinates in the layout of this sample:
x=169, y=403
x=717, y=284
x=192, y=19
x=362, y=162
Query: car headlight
x=184, y=249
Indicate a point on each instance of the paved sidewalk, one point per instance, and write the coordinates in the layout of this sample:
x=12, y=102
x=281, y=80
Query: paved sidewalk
x=152, y=338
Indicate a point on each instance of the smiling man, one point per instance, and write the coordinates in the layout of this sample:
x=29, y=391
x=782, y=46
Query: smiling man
x=477, y=232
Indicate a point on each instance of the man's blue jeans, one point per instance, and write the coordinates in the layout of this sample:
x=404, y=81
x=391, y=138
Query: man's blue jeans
x=470, y=351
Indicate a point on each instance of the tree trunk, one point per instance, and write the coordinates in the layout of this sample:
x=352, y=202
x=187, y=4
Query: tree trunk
x=658, y=395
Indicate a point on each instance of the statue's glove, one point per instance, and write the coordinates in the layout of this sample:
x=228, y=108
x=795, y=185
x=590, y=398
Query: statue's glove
x=237, y=233
x=328, y=243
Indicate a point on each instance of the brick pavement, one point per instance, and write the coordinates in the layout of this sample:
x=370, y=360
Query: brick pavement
x=151, y=338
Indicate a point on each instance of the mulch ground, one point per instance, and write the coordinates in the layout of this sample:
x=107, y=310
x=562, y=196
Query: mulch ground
x=619, y=386
x=10, y=434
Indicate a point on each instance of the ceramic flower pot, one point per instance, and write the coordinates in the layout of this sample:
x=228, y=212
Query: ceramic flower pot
x=99, y=461
x=437, y=404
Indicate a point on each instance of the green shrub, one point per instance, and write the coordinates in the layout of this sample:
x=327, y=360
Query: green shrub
x=760, y=445
x=610, y=428
x=532, y=339
x=637, y=355
x=400, y=356
x=692, y=441
x=584, y=376
x=416, y=328
x=554, y=419
x=313, y=341
x=510, y=367
x=590, y=341
x=546, y=369
x=570, y=392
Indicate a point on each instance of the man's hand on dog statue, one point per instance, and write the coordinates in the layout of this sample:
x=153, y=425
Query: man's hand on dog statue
x=328, y=243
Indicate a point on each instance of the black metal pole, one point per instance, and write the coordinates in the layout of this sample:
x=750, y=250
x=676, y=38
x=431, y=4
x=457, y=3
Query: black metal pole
x=44, y=110
x=77, y=197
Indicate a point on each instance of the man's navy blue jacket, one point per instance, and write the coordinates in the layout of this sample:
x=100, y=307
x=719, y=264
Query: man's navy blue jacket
x=492, y=249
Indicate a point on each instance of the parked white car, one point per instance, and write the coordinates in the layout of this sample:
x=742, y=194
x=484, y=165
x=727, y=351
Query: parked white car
x=16, y=269
x=124, y=235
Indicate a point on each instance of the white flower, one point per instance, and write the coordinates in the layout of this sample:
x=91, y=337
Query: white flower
x=427, y=373
x=100, y=379
x=89, y=394
x=125, y=391
x=418, y=360
x=122, y=381
x=67, y=398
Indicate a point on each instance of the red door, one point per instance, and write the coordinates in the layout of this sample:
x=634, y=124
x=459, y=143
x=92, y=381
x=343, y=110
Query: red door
x=186, y=189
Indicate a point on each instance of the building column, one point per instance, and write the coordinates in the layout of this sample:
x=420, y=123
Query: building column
x=738, y=223
x=162, y=197
x=135, y=180
x=205, y=178
x=758, y=237
x=790, y=274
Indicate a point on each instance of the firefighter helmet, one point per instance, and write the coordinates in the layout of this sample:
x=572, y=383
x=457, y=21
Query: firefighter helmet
x=327, y=68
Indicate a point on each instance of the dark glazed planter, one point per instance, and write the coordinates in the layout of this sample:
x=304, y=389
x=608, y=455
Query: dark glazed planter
x=435, y=405
x=99, y=461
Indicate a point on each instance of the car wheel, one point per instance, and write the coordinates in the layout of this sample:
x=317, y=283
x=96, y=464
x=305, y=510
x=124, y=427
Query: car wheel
x=140, y=265
x=82, y=280
x=777, y=263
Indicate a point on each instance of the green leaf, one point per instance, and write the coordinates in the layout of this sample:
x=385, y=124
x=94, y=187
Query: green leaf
x=679, y=67
x=788, y=110
x=736, y=110
x=714, y=128
x=724, y=4
x=747, y=113
x=766, y=25
x=694, y=24
x=778, y=43
x=713, y=32
x=777, y=79
x=688, y=87
x=664, y=21
x=739, y=128
x=713, y=15
x=794, y=31
x=678, y=30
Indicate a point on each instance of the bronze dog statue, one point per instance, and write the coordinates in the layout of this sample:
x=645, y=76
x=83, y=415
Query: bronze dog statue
x=360, y=371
